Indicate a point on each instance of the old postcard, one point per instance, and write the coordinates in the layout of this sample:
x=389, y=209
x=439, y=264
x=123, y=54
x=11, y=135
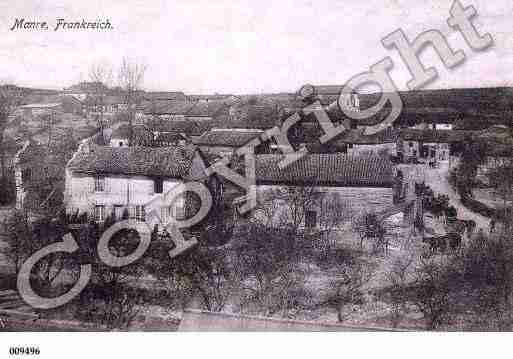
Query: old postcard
x=255, y=166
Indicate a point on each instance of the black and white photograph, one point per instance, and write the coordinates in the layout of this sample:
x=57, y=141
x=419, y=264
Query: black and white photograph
x=255, y=166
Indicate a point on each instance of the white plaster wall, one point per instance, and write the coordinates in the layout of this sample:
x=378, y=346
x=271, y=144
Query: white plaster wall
x=120, y=190
x=356, y=200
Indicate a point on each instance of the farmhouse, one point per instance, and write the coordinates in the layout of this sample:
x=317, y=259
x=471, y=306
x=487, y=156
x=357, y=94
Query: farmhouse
x=121, y=181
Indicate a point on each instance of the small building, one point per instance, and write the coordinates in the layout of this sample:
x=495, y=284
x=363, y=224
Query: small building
x=329, y=95
x=383, y=143
x=428, y=145
x=253, y=116
x=40, y=109
x=106, y=105
x=137, y=135
x=225, y=141
x=142, y=135
x=85, y=88
x=205, y=111
x=164, y=109
x=212, y=98
x=359, y=183
x=167, y=139
x=192, y=129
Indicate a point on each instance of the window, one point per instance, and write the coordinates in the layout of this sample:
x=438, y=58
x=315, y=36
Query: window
x=310, y=219
x=99, y=184
x=26, y=174
x=140, y=213
x=158, y=185
x=410, y=144
x=99, y=213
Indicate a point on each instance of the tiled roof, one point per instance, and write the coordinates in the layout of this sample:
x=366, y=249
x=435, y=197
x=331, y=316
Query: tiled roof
x=254, y=116
x=173, y=162
x=227, y=137
x=326, y=169
x=123, y=131
x=85, y=86
x=169, y=137
x=206, y=109
x=167, y=107
x=165, y=95
x=215, y=97
x=141, y=134
x=189, y=127
x=41, y=105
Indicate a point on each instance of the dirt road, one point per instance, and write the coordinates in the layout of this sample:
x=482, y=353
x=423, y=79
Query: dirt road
x=438, y=180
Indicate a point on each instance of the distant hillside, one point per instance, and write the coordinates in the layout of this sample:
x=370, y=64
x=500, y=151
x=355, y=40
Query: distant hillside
x=471, y=100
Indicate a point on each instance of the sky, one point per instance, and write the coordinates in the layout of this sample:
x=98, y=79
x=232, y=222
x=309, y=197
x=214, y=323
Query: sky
x=241, y=47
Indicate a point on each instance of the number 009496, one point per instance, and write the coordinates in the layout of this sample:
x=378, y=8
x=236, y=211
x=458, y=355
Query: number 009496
x=24, y=351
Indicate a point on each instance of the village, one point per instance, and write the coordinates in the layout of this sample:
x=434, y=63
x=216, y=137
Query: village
x=383, y=230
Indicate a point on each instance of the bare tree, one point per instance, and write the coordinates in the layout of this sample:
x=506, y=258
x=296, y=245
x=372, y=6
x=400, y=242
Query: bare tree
x=18, y=239
x=296, y=202
x=111, y=298
x=333, y=213
x=488, y=270
x=204, y=273
x=501, y=181
x=130, y=77
x=369, y=226
x=101, y=75
x=347, y=288
x=25, y=238
x=399, y=278
x=272, y=281
x=433, y=282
